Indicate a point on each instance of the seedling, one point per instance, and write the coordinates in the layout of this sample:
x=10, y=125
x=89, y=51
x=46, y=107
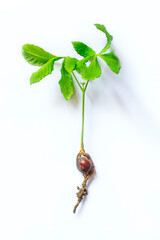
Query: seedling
x=39, y=57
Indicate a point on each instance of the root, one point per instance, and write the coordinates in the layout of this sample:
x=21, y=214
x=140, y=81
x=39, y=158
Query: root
x=82, y=191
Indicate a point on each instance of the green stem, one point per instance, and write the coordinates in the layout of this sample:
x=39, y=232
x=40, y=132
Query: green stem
x=82, y=130
x=83, y=89
x=77, y=81
x=86, y=85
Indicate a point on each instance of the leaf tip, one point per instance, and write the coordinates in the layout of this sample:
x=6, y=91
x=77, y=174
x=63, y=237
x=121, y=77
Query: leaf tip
x=31, y=80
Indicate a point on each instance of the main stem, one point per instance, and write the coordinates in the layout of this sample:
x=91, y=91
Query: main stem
x=83, y=89
x=82, y=131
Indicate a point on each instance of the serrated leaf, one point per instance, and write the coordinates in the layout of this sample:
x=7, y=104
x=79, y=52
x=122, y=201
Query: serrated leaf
x=46, y=69
x=82, y=49
x=109, y=37
x=93, y=71
x=70, y=64
x=112, y=60
x=66, y=83
x=35, y=55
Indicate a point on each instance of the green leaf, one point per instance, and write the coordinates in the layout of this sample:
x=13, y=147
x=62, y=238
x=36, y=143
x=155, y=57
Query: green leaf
x=35, y=55
x=66, y=83
x=81, y=69
x=109, y=37
x=82, y=49
x=81, y=65
x=70, y=64
x=93, y=71
x=46, y=69
x=112, y=60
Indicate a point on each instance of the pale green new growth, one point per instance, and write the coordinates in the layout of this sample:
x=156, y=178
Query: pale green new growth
x=37, y=56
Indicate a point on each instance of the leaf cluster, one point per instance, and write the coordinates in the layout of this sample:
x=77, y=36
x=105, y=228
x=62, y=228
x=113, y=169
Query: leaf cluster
x=39, y=57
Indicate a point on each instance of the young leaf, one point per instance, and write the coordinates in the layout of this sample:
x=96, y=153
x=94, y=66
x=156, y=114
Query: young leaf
x=112, y=60
x=109, y=37
x=81, y=64
x=70, y=64
x=81, y=70
x=46, y=69
x=66, y=83
x=93, y=71
x=35, y=55
x=82, y=49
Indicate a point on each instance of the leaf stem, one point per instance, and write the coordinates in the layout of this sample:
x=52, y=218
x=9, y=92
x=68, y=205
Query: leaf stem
x=86, y=85
x=77, y=81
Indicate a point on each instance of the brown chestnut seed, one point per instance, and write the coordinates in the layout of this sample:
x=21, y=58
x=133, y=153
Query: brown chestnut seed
x=84, y=164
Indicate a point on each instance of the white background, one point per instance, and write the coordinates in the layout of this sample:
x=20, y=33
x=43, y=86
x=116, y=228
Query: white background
x=40, y=131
